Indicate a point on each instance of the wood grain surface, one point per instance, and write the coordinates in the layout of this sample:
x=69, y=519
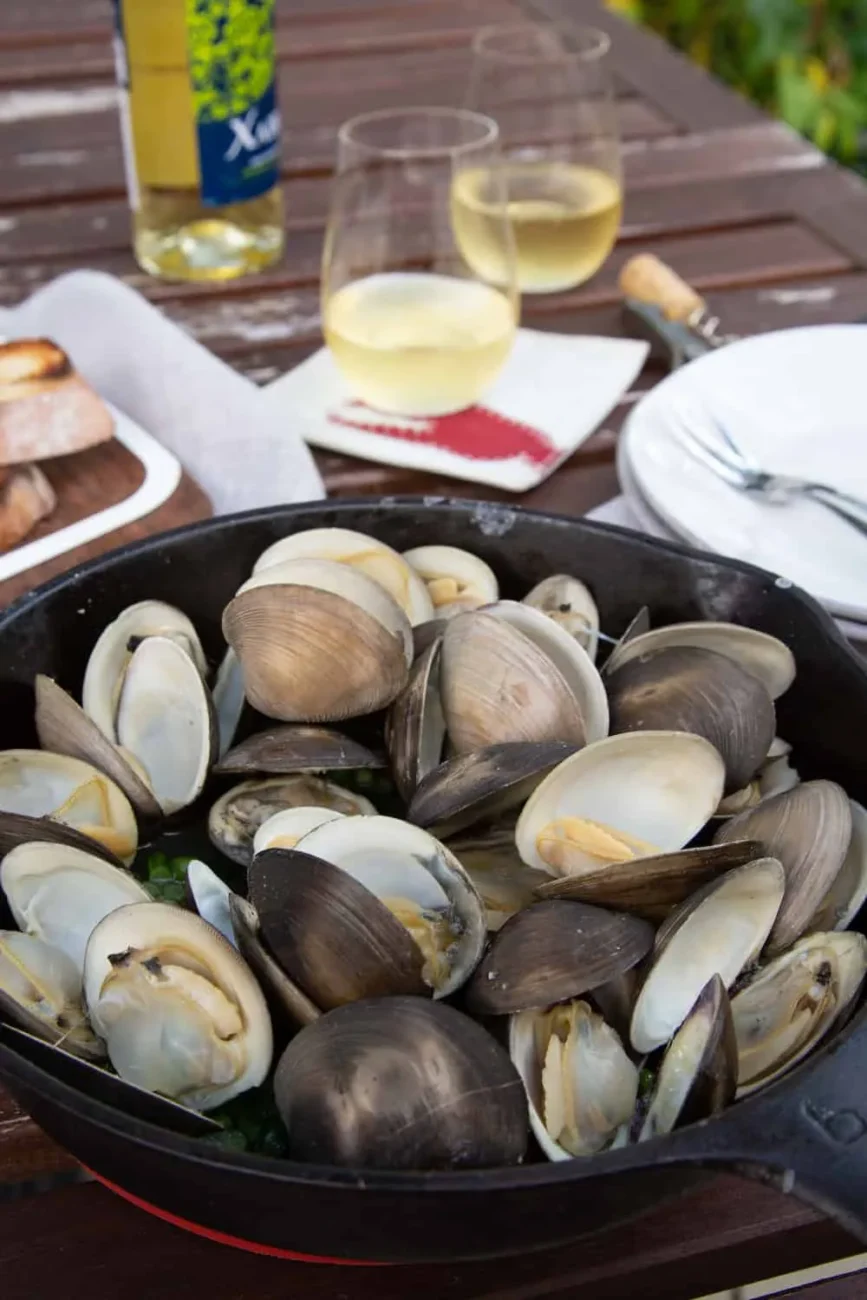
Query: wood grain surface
x=770, y=232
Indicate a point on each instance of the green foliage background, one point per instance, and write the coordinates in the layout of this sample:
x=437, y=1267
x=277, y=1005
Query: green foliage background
x=804, y=60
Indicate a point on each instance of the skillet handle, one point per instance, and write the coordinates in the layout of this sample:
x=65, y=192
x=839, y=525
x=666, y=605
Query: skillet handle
x=808, y=1140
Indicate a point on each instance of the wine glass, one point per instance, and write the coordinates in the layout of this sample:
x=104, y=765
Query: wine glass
x=414, y=327
x=549, y=88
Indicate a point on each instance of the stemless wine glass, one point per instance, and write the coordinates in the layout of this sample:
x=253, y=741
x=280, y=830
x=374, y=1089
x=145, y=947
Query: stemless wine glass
x=549, y=88
x=413, y=326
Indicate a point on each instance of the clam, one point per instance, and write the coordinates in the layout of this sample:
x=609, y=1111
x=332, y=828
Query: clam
x=286, y=749
x=400, y=1083
x=415, y=727
x=568, y=602
x=16, y=829
x=64, y=728
x=110, y=657
x=686, y=688
x=764, y=657
x=698, y=1073
x=630, y=796
x=318, y=641
x=456, y=580
x=483, y=784
x=553, y=951
x=362, y=553
x=59, y=894
x=40, y=989
x=847, y=894
x=179, y=1010
x=238, y=814
x=580, y=1083
x=166, y=721
x=424, y=635
x=636, y=627
x=35, y=783
x=790, y=1004
x=286, y=828
x=718, y=931
x=651, y=887
x=511, y=674
x=210, y=896
x=287, y=998
x=369, y=909
x=490, y=859
x=809, y=830
x=229, y=699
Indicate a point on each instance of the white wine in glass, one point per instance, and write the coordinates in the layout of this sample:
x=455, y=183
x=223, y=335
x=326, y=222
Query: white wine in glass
x=550, y=90
x=414, y=328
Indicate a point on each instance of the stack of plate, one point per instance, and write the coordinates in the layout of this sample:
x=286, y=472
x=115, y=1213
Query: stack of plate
x=796, y=401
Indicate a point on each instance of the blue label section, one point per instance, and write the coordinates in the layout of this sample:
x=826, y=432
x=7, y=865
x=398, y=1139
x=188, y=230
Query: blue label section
x=239, y=157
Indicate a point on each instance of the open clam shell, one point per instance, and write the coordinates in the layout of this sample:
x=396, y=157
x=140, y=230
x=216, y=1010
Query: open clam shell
x=289, y=999
x=420, y=882
x=110, y=656
x=719, y=931
x=238, y=814
x=630, y=796
x=415, y=727
x=456, y=580
x=166, y=721
x=686, y=688
x=40, y=990
x=229, y=699
x=552, y=951
x=179, y=1009
x=581, y=1085
x=357, y=551
x=286, y=828
x=64, y=728
x=483, y=784
x=569, y=603
x=16, y=829
x=286, y=749
x=789, y=1005
x=848, y=892
x=318, y=641
x=334, y=939
x=59, y=894
x=35, y=783
x=651, y=887
x=400, y=1084
x=808, y=829
x=698, y=1073
x=210, y=896
x=765, y=657
x=491, y=861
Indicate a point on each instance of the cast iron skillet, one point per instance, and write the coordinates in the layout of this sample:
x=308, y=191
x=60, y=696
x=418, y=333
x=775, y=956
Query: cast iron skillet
x=805, y=1134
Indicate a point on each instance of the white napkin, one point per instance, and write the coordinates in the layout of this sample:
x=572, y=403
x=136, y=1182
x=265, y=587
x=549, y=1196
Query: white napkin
x=239, y=447
x=552, y=394
x=627, y=513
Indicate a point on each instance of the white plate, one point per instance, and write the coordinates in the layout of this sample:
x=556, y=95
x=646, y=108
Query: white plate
x=162, y=473
x=795, y=400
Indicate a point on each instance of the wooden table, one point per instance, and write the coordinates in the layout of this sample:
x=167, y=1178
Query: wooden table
x=746, y=210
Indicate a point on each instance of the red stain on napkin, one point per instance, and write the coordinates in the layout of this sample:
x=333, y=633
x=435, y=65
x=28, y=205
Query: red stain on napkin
x=477, y=433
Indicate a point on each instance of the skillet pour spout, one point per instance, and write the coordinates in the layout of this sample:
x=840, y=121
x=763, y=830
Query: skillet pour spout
x=806, y=1133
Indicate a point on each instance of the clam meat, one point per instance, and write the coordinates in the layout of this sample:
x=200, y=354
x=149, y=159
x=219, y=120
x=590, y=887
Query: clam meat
x=456, y=580
x=40, y=989
x=568, y=602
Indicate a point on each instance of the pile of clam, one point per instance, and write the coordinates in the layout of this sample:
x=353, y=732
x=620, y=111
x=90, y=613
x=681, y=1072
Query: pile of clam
x=611, y=906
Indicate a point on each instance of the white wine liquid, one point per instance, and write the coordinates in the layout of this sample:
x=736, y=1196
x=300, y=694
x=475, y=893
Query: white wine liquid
x=419, y=344
x=565, y=219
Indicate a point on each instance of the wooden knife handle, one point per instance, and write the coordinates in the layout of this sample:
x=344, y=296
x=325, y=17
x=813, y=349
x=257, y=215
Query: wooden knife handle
x=649, y=280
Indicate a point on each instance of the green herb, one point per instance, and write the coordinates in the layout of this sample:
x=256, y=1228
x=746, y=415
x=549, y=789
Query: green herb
x=166, y=880
x=251, y=1122
x=646, y=1080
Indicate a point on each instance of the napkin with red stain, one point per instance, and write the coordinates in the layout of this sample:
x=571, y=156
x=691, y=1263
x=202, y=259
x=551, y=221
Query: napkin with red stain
x=553, y=392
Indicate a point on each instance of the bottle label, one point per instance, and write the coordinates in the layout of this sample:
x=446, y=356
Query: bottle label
x=198, y=97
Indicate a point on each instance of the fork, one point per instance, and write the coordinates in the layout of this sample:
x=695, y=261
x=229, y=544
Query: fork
x=728, y=460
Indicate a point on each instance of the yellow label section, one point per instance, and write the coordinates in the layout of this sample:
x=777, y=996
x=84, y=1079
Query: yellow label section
x=161, y=97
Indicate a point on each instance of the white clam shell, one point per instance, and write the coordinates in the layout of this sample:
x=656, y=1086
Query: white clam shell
x=476, y=581
x=358, y=551
x=286, y=828
x=111, y=654
x=570, y=604
x=848, y=893
x=764, y=656
x=659, y=787
x=211, y=896
x=60, y=894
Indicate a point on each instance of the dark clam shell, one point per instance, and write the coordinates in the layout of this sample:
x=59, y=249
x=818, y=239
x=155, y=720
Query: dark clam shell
x=282, y=992
x=287, y=749
x=415, y=727
x=15, y=829
x=400, y=1083
x=683, y=688
x=330, y=935
x=553, y=951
